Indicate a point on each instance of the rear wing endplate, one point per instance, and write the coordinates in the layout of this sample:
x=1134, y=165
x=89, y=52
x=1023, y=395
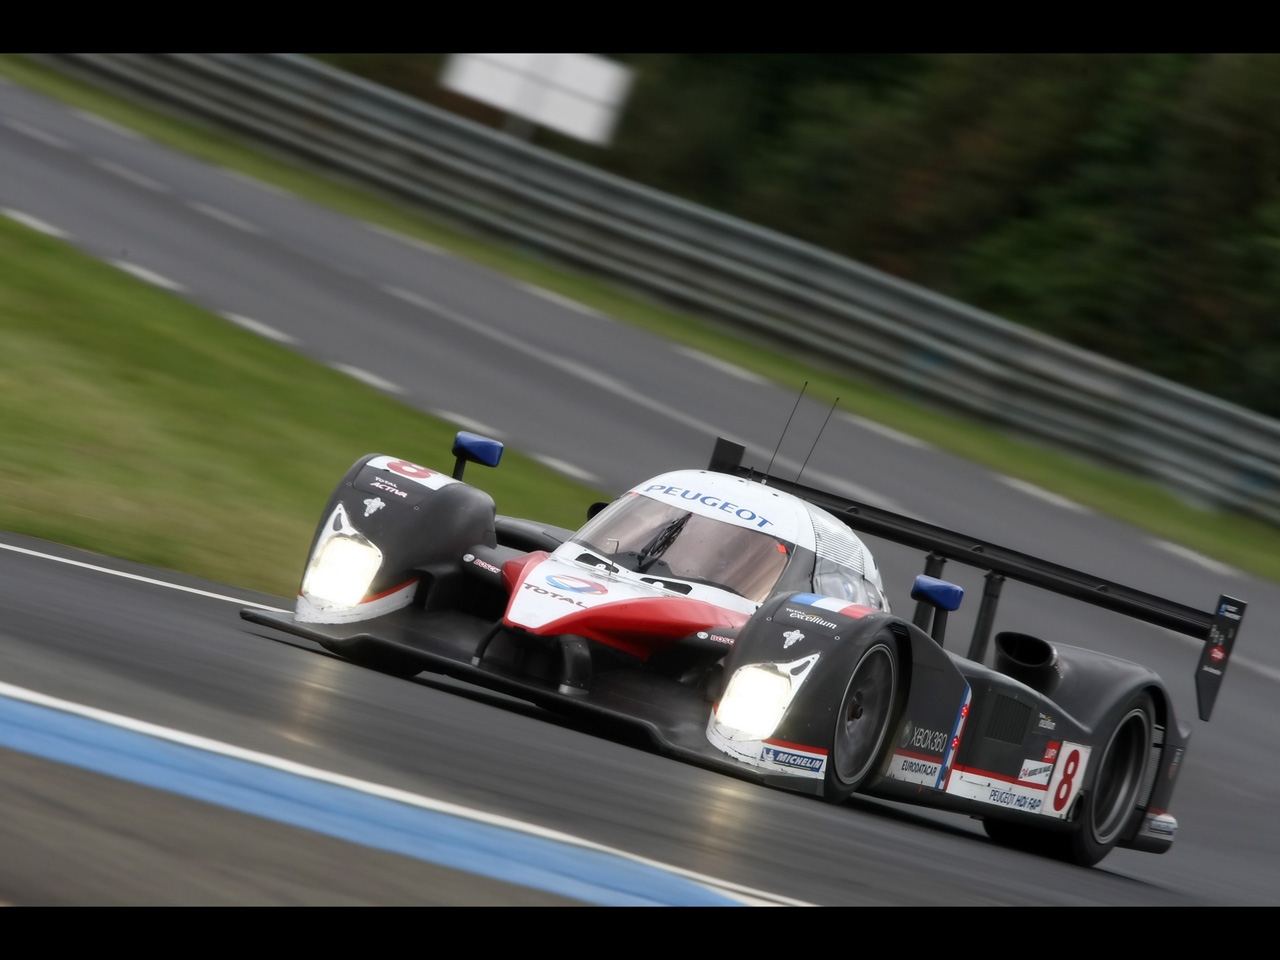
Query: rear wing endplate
x=1217, y=652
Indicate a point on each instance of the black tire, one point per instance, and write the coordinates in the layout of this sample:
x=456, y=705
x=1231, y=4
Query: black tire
x=1107, y=807
x=862, y=723
x=1117, y=780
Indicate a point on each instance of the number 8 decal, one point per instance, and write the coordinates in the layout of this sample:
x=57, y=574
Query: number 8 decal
x=1067, y=785
x=1068, y=775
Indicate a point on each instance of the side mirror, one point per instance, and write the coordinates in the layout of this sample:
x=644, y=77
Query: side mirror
x=937, y=593
x=940, y=595
x=478, y=449
x=596, y=508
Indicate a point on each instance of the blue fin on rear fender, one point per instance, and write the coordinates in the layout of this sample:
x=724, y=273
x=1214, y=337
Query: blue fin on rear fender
x=477, y=449
x=940, y=593
x=473, y=447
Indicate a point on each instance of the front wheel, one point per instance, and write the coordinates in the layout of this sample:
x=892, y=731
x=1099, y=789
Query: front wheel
x=862, y=723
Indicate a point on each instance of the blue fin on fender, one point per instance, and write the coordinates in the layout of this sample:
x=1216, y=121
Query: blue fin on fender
x=472, y=446
x=939, y=593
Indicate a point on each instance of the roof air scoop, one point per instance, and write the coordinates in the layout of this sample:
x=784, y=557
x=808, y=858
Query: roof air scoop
x=1028, y=660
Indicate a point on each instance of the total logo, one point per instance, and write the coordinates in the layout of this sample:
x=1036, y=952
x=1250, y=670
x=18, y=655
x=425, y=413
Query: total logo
x=576, y=585
x=790, y=637
x=1217, y=654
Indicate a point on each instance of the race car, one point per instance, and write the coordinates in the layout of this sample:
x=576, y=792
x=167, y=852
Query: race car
x=739, y=620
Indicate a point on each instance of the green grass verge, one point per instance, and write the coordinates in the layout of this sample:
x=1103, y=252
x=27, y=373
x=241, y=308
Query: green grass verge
x=1242, y=542
x=140, y=426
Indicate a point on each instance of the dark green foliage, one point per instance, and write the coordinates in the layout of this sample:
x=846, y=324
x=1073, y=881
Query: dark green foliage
x=1127, y=203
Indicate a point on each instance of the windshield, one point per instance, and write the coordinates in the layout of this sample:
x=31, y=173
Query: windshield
x=641, y=534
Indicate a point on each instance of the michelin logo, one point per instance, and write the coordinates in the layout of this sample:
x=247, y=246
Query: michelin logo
x=797, y=761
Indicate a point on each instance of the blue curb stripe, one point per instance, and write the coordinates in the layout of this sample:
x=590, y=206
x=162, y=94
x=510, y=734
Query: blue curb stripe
x=541, y=863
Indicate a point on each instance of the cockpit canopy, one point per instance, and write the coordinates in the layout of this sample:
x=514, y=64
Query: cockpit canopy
x=709, y=528
x=668, y=540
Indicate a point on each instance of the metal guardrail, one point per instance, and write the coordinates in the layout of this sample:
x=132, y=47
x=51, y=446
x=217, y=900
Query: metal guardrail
x=851, y=314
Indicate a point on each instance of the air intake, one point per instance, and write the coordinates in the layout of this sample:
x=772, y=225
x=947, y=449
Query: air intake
x=1028, y=660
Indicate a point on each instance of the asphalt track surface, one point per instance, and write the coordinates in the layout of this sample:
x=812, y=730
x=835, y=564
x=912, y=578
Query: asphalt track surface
x=602, y=402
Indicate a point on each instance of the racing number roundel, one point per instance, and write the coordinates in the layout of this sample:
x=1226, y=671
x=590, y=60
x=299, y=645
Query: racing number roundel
x=407, y=469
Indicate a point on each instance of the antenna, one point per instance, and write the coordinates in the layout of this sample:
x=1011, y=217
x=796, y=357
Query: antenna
x=817, y=438
x=784, y=433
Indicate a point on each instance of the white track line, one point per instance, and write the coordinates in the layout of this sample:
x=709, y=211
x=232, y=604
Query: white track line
x=466, y=423
x=35, y=223
x=406, y=239
x=1186, y=553
x=222, y=216
x=568, y=469
x=134, y=576
x=884, y=431
x=106, y=124
x=131, y=175
x=254, y=182
x=1040, y=494
x=724, y=366
x=261, y=329
x=563, y=301
x=372, y=379
x=149, y=276
x=35, y=133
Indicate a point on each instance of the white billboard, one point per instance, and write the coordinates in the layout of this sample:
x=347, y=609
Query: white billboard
x=577, y=94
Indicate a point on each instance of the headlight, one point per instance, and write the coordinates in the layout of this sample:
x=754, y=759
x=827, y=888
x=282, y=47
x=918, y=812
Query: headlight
x=341, y=571
x=755, y=701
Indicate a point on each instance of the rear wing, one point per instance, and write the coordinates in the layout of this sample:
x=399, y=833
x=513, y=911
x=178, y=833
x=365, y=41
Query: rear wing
x=1217, y=628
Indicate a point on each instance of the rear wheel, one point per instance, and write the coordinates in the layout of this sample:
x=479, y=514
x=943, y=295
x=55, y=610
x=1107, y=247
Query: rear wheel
x=1106, y=809
x=862, y=723
x=1120, y=772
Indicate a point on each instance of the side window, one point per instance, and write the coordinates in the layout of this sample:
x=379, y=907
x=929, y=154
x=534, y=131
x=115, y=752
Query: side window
x=833, y=580
x=874, y=597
